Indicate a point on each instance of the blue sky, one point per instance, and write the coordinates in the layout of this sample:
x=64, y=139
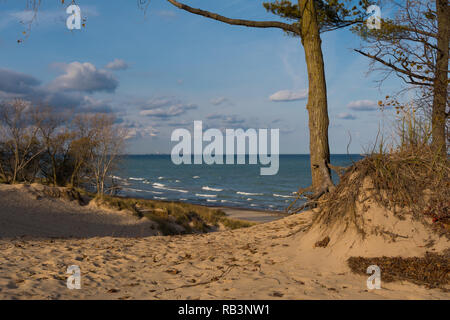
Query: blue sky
x=163, y=70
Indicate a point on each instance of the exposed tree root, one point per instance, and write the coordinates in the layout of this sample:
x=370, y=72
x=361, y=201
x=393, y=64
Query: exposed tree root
x=327, y=186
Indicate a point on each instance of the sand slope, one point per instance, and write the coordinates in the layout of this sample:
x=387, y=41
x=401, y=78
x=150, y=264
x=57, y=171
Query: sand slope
x=274, y=260
x=21, y=214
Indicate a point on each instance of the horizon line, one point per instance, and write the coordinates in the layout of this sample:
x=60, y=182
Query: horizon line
x=247, y=154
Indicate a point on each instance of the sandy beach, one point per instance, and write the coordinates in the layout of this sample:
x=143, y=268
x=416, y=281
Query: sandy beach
x=257, y=216
x=120, y=258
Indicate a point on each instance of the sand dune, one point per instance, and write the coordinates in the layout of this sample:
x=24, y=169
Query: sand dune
x=21, y=214
x=274, y=260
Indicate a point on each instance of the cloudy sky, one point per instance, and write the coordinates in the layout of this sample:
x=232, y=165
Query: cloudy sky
x=164, y=69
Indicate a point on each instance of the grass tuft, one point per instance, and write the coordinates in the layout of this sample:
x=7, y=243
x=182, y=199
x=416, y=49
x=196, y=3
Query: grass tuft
x=170, y=216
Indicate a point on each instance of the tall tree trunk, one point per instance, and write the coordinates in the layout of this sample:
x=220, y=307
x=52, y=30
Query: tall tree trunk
x=317, y=97
x=55, y=179
x=16, y=164
x=440, y=83
x=3, y=175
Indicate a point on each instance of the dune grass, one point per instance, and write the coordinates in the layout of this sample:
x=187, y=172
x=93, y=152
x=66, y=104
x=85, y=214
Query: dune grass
x=407, y=176
x=170, y=216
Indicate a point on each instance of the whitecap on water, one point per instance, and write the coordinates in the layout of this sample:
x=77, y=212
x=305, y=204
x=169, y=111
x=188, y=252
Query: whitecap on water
x=160, y=185
x=211, y=189
x=163, y=187
x=206, y=195
x=249, y=194
x=136, y=179
x=282, y=196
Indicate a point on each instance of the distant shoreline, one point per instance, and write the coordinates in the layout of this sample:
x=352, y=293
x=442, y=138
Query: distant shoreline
x=281, y=154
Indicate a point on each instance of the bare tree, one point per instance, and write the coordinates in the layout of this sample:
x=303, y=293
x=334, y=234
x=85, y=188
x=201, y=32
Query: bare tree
x=108, y=144
x=82, y=148
x=19, y=137
x=98, y=143
x=42, y=142
x=414, y=45
x=55, y=137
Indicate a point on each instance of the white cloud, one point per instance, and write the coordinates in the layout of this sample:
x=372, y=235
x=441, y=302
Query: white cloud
x=141, y=132
x=166, y=113
x=363, y=105
x=230, y=120
x=220, y=100
x=158, y=103
x=346, y=116
x=117, y=64
x=84, y=77
x=288, y=95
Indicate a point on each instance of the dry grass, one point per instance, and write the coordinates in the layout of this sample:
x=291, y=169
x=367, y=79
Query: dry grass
x=407, y=181
x=170, y=216
x=410, y=178
x=432, y=270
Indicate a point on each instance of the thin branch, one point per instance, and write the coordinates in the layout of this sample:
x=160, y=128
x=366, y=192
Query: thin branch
x=239, y=22
x=417, y=31
x=390, y=65
x=343, y=24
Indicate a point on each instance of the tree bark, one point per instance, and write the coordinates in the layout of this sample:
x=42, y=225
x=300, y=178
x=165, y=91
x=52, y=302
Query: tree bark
x=439, y=142
x=317, y=97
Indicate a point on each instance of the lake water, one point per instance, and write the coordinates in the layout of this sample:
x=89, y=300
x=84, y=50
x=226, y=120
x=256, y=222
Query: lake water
x=156, y=177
